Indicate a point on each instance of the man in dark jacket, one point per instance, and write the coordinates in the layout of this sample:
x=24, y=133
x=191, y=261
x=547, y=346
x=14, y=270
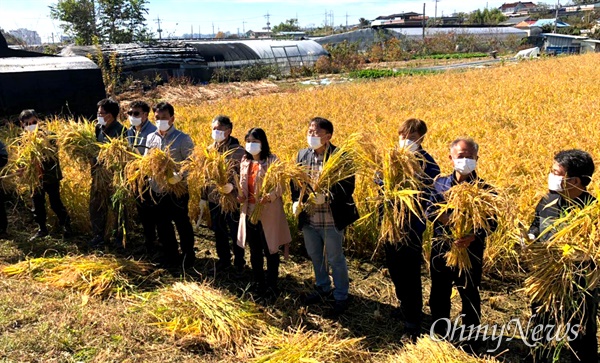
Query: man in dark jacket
x=225, y=224
x=567, y=184
x=463, y=154
x=108, y=127
x=324, y=229
x=50, y=183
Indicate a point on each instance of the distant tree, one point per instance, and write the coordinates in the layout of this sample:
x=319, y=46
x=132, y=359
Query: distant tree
x=363, y=23
x=220, y=35
x=486, y=16
x=290, y=25
x=79, y=18
x=11, y=39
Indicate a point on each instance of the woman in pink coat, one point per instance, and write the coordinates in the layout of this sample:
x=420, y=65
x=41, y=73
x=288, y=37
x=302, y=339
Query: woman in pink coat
x=272, y=230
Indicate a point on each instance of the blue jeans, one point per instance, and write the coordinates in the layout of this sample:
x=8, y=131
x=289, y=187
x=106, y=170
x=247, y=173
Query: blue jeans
x=321, y=242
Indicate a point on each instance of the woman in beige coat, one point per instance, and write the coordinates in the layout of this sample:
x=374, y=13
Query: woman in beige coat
x=272, y=230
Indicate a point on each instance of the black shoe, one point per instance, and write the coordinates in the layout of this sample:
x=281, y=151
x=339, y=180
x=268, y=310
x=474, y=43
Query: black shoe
x=219, y=267
x=67, y=232
x=317, y=296
x=409, y=336
x=188, y=260
x=238, y=272
x=4, y=234
x=339, y=307
x=97, y=242
x=41, y=233
x=397, y=314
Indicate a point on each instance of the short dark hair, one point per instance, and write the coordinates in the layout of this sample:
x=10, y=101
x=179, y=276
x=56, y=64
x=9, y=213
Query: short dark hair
x=323, y=123
x=467, y=140
x=27, y=114
x=140, y=104
x=223, y=121
x=260, y=135
x=412, y=125
x=111, y=106
x=577, y=163
x=162, y=106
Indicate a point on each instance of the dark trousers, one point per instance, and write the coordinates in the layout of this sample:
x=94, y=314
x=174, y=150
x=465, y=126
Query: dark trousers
x=255, y=236
x=3, y=216
x=39, y=205
x=172, y=209
x=225, y=226
x=467, y=282
x=99, y=204
x=146, y=210
x=404, y=264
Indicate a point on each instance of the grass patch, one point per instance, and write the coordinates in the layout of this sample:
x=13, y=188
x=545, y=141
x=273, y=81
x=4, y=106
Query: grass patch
x=386, y=73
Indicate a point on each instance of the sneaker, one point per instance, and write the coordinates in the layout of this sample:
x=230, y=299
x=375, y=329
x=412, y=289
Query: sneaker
x=41, y=233
x=317, y=296
x=96, y=242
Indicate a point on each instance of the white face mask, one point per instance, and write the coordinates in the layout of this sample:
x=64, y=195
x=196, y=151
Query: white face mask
x=465, y=166
x=314, y=142
x=555, y=182
x=31, y=128
x=253, y=148
x=408, y=144
x=135, y=121
x=218, y=135
x=162, y=125
x=101, y=121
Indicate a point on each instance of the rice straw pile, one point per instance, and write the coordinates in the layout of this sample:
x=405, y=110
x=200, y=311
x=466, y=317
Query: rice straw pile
x=158, y=166
x=566, y=267
x=91, y=275
x=277, y=178
x=200, y=312
x=470, y=207
x=79, y=141
x=298, y=345
x=427, y=350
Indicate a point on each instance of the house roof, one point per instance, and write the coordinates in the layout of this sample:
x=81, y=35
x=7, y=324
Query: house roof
x=543, y=22
x=553, y=35
x=527, y=4
x=514, y=20
x=394, y=16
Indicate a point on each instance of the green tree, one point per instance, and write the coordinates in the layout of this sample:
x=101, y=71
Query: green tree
x=78, y=17
x=486, y=16
x=290, y=25
x=363, y=23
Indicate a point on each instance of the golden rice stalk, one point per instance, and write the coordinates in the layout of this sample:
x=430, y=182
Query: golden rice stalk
x=470, y=207
x=211, y=169
x=91, y=275
x=198, y=311
x=115, y=154
x=565, y=268
x=156, y=165
x=430, y=351
x=79, y=141
x=277, y=178
x=298, y=345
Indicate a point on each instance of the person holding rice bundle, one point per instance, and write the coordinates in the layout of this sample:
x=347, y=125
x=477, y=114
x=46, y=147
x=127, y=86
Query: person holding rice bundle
x=271, y=230
x=137, y=135
x=404, y=258
x=172, y=207
x=323, y=228
x=108, y=127
x=51, y=175
x=225, y=223
x=464, y=156
x=568, y=179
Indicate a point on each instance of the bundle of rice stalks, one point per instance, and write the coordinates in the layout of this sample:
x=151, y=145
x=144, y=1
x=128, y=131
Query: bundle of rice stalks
x=91, y=275
x=470, y=207
x=115, y=154
x=277, y=178
x=213, y=170
x=428, y=350
x=158, y=166
x=79, y=141
x=339, y=166
x=297, y=345
x=200, y=312
x=565, y=268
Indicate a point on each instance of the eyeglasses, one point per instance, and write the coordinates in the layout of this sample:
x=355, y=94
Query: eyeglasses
x=133, y=113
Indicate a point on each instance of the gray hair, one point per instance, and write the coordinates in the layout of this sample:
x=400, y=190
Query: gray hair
x=467, y=140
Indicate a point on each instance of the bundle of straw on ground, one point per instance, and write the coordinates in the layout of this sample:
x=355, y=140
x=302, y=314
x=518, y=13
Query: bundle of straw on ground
x=208, y=168
x=202, y=313
x=298, y=345
x=565, y=268
x=91, y=275
x=277, y=179
x=470, y=207
x=79, y=141
x=430, y=351
x=157, y=165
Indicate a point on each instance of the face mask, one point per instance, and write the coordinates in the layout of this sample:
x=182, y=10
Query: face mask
x=31, y=128
x=314, y=142
x=101, y=121
x=135, y=121
x=465, y=166
x=162, y=125
x=409, y=145
x=253, y=148
x=218, y=135
x=555, y=183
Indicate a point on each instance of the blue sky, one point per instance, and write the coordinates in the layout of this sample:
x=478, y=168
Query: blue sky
x=179, y=16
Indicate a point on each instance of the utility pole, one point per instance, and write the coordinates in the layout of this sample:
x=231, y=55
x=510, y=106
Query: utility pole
x=346, y=20
x=332, y=22
x=326, y=16
x=556, y=17
x=192, y=31
x=435, y=14
x=213, y=33
x=244, y=26
x=268, y=16
x=159, y=30
x=423, y=21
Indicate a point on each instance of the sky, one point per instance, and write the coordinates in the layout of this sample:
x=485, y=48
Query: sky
x=178, y=17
